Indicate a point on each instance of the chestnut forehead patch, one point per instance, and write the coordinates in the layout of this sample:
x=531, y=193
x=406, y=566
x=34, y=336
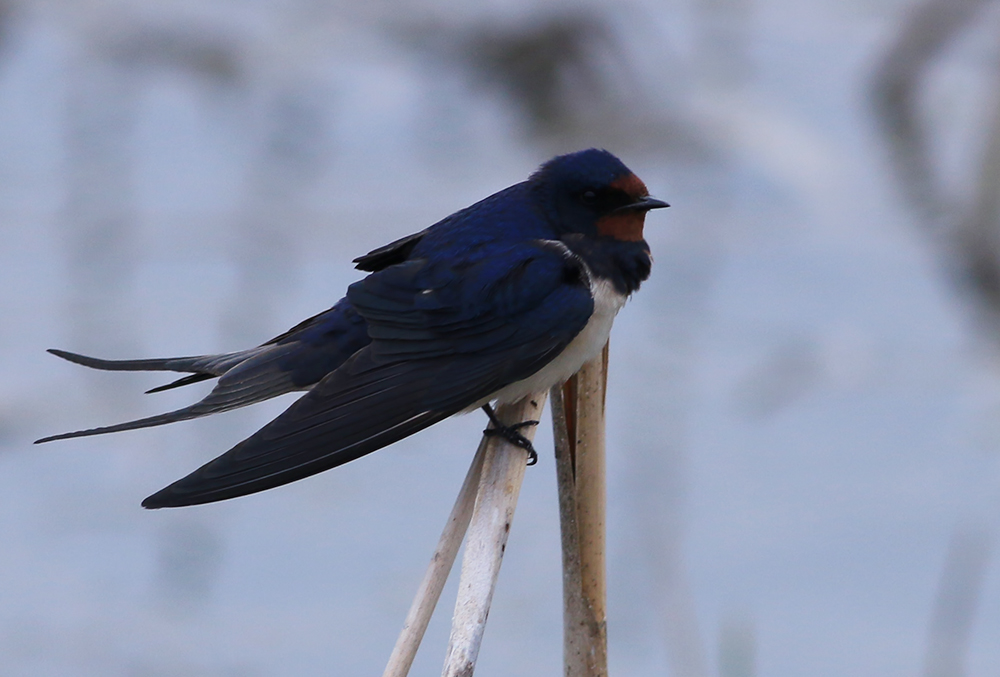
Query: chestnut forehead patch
x=631, y=185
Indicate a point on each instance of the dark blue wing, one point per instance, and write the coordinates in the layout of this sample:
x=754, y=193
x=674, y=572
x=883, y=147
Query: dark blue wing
x=445, y=335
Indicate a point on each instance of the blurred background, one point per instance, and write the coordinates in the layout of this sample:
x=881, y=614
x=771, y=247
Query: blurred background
x=804, y=406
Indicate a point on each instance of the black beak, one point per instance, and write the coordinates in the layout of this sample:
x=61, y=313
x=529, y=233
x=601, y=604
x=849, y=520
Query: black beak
x=642, y=205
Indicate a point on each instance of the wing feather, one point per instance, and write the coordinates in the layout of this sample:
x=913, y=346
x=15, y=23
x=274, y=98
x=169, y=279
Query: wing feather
x=430, y=358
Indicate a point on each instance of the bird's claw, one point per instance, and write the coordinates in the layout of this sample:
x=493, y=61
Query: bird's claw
x=511, y=434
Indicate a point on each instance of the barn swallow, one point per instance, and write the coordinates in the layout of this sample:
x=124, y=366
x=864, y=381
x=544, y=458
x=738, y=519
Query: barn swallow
x=503, y=299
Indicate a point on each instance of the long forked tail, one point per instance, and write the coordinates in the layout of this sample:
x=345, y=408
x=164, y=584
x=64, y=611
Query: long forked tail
x=246, y=377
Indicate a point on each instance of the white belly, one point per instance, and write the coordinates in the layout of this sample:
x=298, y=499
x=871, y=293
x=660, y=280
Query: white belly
x=585, y=346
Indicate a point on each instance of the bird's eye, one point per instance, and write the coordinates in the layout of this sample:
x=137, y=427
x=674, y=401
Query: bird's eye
x=589, y=197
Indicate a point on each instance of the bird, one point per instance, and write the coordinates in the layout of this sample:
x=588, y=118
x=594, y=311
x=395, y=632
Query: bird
x=503, y=299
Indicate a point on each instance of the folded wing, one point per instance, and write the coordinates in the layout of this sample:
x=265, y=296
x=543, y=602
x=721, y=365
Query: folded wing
x=444, y=338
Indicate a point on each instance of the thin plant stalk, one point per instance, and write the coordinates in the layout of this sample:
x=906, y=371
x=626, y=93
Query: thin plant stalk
x=499, y=487
x=578, y=429
x=576, y=622
x=430, y=588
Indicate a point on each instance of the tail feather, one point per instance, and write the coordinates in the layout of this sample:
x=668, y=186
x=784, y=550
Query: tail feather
x=183, y=381
x=185, y=414
x=256, y=377
x=213, y=365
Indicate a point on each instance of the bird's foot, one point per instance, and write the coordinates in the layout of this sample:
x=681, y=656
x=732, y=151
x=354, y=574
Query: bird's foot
x=511, y=434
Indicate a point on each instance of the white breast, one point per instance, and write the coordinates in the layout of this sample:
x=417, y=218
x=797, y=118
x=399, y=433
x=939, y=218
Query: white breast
x=585, y=346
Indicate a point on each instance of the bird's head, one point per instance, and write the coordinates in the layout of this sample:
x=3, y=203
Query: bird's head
x=592, y=192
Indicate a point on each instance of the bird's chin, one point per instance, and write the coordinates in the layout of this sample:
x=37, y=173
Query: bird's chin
x=626, y=226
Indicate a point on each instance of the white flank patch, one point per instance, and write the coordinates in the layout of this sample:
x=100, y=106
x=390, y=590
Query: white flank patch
x=585, y=346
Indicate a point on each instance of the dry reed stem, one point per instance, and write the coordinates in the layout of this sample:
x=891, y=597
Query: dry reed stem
x=578, y=428
x=499, y=487
x=430, y=588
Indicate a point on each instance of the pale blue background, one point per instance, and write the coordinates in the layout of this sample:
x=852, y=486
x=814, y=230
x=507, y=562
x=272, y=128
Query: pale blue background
x=801, y=414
